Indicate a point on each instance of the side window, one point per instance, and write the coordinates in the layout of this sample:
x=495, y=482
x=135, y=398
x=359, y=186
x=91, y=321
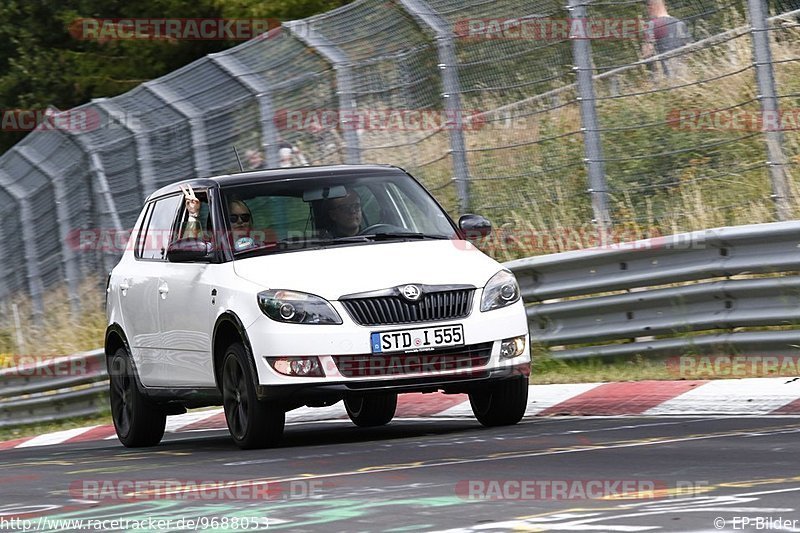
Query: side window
x=159, y=229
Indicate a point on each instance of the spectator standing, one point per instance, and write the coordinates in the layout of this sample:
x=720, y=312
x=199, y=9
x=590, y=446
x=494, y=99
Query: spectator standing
x=665, y=33
x=290, y=155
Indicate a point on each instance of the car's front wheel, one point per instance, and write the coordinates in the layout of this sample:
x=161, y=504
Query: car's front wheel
x=137, y=421
x=371, y=410
x=252, y=422
x=501, y=404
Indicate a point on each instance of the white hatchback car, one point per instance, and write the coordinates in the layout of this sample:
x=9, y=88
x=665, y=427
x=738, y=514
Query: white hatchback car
x=304, y=287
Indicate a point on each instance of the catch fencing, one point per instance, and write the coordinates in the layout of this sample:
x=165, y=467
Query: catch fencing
x=538, y=130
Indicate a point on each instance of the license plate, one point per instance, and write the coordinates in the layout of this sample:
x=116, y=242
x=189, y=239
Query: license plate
x=418, y=339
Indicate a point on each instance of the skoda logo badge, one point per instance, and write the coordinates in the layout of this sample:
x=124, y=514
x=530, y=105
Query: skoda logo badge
x=411, y=292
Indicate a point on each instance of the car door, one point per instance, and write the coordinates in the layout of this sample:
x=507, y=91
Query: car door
x=186, y=296
x=138, y=288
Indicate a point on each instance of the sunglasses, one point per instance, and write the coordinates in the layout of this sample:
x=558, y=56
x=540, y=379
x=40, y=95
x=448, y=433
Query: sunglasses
x=234, y=218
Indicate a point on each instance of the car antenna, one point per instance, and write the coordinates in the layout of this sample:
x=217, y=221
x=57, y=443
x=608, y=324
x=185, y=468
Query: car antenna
x=235, y=151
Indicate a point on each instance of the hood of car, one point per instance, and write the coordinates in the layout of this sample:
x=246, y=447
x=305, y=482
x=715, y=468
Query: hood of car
x=336, y=271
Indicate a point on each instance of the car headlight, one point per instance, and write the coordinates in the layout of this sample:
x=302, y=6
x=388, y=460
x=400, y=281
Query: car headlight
x=500, y=291
x=297, y=307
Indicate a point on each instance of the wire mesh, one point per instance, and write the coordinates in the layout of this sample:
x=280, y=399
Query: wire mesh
x=39, y=218
x=527, y=138
x=672, y=128
x=13, y=277
x=395, y=84
x=784, y=33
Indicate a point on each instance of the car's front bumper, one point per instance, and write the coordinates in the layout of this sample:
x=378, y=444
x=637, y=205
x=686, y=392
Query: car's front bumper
x=298, y=394
x=350, y=342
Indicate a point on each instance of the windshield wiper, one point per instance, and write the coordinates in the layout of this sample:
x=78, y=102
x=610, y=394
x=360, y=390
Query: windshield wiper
x=404, y=235
x=286, y=244
x=351, y=238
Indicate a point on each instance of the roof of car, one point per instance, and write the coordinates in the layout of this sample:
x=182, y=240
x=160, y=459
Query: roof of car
x=242, y=178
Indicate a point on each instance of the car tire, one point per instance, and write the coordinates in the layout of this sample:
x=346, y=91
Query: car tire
x=252, y=422
x=137, y=421
x=371, y=410
x=501, y=404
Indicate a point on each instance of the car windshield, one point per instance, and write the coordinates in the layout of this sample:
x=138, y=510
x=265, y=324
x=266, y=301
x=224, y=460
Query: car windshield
x=321, y=211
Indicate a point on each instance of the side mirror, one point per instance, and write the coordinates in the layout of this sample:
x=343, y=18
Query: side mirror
x=188, y=251
x=474, y=226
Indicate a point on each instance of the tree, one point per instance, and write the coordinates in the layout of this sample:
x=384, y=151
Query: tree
x=43, y=64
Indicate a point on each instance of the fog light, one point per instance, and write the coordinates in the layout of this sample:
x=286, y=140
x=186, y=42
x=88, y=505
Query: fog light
x=512, y=347
x=297, y=366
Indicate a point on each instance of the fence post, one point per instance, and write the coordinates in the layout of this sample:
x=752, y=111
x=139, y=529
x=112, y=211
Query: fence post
x=762, y=60
x=303, y=31
x=202, y=165
x=595, y=165
x=71, y=268
x=448, y=64
x=4, y=290
x=259, y=88
x=34, y=277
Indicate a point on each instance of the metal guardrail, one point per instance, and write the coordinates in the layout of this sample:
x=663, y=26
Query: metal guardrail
x=57, y=389
x=669, y=296
x=662, y=296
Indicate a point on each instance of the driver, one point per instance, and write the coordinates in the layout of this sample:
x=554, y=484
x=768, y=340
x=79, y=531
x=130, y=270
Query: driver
x=343, y=214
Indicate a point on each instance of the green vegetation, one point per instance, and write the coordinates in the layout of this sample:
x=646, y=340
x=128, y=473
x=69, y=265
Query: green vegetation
x=43, y=64
x=50, y=427
x=64, y=332
x=547, y=370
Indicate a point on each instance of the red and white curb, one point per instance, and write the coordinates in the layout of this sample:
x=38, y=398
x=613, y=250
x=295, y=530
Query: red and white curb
x=751, y=397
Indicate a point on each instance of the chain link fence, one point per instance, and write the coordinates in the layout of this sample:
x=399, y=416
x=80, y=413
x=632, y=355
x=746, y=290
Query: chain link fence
x=636, y=116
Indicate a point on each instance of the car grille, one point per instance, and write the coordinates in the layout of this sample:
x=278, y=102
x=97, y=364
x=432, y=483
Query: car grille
x=394, y=309
x=447, y=359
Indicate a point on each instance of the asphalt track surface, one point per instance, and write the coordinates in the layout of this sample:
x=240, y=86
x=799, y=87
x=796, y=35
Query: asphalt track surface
x=671, y=474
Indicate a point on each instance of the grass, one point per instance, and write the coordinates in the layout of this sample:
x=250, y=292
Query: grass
x=49, y=427
x=61, y=332
x=546, y=370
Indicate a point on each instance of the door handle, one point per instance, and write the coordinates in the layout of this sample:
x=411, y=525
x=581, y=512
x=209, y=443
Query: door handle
x=124, y=285
x=163, y=290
